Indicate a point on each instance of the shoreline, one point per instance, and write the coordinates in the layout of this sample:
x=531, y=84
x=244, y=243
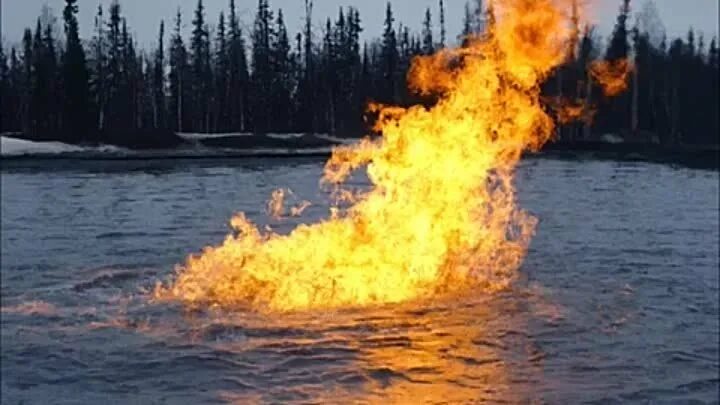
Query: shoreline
x=282, y=146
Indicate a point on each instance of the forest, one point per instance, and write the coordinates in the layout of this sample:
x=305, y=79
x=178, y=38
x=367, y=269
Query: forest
x=224, y=78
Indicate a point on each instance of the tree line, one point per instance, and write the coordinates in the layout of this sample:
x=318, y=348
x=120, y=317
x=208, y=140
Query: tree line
x=225, y=79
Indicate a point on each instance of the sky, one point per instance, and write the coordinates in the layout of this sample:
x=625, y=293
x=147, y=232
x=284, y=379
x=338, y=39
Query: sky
x=144, y=15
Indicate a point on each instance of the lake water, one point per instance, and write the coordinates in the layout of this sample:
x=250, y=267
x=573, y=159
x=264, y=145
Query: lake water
x=617, y=302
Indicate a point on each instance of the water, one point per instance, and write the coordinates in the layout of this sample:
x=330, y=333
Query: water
x=617, y=303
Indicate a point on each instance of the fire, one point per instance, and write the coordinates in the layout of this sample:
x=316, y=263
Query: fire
x=441, y=214
x=612, y=75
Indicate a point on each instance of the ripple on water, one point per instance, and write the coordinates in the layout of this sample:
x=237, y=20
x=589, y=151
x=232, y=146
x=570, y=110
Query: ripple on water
x=617, y=302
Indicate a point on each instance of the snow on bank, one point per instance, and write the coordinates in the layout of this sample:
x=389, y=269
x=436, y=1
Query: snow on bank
x=200, y=136
x=10, y=146
x=339, y=141
x=190, y=136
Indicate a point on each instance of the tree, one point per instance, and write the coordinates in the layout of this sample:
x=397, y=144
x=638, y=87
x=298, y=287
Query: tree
x=389, y=57
x=221, y=70
x=158, y=82
x=98, y=76
x=75, y=77
x=443, y=32
x=281, y=82
x=238, y=80
x=428, y=45
x=115, y=108
x=15, y=104
x=618, y=47
x=617, y=116
x=307, y=116
x=467, y=30
x=179, y=76
x=262, y=71
x=44, y=116
x=201, y=73
x=5, y=91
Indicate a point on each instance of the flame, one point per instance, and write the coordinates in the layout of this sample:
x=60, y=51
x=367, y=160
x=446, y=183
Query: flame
x=568, y=111
x=612, y=75
x=441, y=215
x=276, y=205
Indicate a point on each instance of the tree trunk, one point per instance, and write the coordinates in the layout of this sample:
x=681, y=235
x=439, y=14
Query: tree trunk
x=635, y=98
x=587, y=124
x=179, y=104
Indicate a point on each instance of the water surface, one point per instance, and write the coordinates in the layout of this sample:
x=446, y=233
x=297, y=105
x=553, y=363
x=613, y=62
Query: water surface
x=617, y=301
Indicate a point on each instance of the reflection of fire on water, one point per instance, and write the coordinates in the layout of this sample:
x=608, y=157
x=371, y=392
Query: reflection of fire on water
x=441, y=215
x=474, y=352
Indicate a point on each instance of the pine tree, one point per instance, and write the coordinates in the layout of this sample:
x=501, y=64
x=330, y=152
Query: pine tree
x=221, y=64
x=98, y=85
x=713, y=53
x=15, y=103
x=28, y=82
x=130, y=86
x=428, y=45
x=158, y=82
x=5, y=91
x=262, y=72
x=43, y=117
x=179, y=77
x=618, y=116
x=115, y=108
x=390, y=58
x=713, y=75
x=201, y=73
x=467, y=30
x=443, y=32
x=75, y=78
x=238, y=86
x=618, y=47
x=307, y=115
x=281, y=82
x=479, y=21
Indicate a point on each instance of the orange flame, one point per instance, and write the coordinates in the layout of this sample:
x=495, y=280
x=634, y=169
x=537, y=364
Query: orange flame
x=567, y=111
x=276, y=205
x=612, y=75
x=440, y=216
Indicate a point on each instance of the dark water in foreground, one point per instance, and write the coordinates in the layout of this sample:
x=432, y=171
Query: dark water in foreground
x=618, y=302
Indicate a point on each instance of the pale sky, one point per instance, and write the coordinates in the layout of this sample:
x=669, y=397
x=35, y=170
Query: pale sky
x=144, y=15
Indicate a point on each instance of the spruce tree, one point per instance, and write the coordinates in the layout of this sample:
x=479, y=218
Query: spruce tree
x=201, y=74
x=281, y=82
x=390, y=58
x=5, y=91
x=179, y=78
x=16, y=90
x=443, y=32
x=262, y=72
x=28, y=83
x=428, y=45
x=98, y=79
x=221, y=67
x=158, y=82
x=75, y=78
x=619, y=45
x=238, y=86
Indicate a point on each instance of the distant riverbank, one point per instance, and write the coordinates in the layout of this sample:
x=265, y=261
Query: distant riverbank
x=198, y=146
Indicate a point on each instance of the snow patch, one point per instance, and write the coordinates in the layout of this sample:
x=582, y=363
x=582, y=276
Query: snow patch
x=191, y=136
x=343, y=141
x=10, y=146
x=612, y=138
